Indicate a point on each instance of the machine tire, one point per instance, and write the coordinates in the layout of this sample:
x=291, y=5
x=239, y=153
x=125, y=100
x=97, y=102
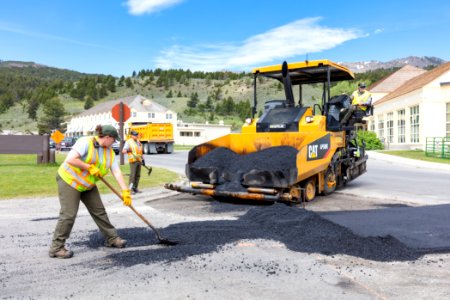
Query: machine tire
x=310, y=189
x=329, y=177
x=144, y=148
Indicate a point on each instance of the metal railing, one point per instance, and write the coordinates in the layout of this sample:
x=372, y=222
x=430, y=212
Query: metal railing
x=438, y=147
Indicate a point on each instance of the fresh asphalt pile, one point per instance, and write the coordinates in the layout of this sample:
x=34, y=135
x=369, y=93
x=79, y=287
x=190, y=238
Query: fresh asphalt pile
x=300, y=230
x=231, y=166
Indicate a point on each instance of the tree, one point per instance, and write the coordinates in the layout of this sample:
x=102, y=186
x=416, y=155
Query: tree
x=53, y=117
x=193, y=101
x=169, y=94
x=6, y=101
x=88, y=103
x=128, y=83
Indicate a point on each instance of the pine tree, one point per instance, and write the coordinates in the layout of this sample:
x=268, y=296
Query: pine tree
x=53, y=116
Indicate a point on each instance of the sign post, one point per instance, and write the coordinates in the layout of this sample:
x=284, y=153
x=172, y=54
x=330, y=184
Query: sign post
x=121, y=112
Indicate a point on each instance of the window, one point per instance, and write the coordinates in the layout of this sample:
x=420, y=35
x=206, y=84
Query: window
x=133, y=114
x=390, y=127
x=185, y=133
x=448, y=119
x=372, y=126
x=380, y=127
x=414, y=123
x=151, y=115
x=168, y=116
x=197, y=133
x=401, y=126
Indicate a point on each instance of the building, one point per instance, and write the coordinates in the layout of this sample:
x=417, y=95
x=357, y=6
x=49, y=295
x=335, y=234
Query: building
x=195, y=133
x=142, y=110
x=393, y=82
x=412, y=110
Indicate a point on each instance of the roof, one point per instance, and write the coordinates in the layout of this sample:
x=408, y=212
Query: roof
x=396, y=79
x=416, y=83
x=138, y=103
x=312, y=71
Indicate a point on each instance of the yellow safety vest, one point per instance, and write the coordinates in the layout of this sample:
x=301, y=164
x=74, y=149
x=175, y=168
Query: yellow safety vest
x=136, y=151
x=361, y=99
x=81, y=180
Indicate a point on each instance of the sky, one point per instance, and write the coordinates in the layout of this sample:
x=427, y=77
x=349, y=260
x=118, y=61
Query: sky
x=118, y=37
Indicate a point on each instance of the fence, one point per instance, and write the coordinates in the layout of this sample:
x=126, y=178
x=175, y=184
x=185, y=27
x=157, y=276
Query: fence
x=438, y=147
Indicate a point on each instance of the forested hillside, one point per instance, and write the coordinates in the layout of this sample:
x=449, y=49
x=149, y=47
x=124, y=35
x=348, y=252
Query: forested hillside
x=39, y=98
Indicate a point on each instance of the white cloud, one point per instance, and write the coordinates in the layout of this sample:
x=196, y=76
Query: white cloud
x=297, y=38
x=139, y=7
x=46, y=36
x=379, y=30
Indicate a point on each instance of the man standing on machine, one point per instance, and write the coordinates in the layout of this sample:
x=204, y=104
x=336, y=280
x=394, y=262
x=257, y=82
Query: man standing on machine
x=133, y=148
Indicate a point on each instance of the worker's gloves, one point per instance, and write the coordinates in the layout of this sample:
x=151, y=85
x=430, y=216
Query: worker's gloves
x=143, y=162
x=94, y=171
x=126, y=197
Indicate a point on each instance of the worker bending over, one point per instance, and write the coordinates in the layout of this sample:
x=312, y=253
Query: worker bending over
x=90, y=158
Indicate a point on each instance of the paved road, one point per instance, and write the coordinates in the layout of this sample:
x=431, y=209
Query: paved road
x=373, y=248
x=175, y=161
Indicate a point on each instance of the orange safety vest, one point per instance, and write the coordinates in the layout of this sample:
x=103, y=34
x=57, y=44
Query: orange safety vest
x=361, y=99
x=81, y=180
x=136, y=151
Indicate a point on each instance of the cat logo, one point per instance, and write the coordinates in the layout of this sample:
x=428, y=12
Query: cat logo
x=318, y=149
x=312, y=151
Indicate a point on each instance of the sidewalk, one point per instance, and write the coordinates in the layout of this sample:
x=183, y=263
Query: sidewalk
x=407, y=161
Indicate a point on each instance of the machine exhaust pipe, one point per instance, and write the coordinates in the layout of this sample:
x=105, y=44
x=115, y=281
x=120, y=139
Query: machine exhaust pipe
x=287, y=85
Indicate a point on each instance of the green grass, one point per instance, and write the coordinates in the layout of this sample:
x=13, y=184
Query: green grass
x=21, y=177
x=416, y=154
x=183, y=147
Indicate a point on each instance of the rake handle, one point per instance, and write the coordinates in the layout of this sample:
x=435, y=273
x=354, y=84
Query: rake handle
x=131, y=207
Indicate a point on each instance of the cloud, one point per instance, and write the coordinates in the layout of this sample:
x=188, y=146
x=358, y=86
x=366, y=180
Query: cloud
x=140, y=7
x=378, y=30
x=46, y=36
x=297, y=38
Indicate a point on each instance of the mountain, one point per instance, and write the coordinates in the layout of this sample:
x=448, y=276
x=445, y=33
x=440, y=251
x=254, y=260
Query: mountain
x=35, y=70
x=416, y=61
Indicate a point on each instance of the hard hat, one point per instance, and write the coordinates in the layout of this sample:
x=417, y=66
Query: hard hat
x=361, y=85
x=134, y=133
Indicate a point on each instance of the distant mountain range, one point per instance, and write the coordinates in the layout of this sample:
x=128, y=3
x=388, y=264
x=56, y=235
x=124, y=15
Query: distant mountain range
x=416, y=61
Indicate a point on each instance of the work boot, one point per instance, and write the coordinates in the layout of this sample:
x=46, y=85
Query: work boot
x=61, y=253
x=117, y=243
x=136, y=190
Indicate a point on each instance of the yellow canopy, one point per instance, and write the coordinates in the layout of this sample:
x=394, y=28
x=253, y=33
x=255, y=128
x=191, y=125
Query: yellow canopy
x=312, y=71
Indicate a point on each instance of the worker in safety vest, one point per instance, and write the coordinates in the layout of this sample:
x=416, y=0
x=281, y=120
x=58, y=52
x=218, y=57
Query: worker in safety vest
x=133, y=148
x=90, y=158
x=361, y=97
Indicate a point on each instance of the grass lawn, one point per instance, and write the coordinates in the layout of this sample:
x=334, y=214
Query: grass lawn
x=21, y=177
x=183, y=147
x=416, y=154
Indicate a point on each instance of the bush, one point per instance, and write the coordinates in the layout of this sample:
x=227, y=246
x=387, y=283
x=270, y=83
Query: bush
x=372, y=142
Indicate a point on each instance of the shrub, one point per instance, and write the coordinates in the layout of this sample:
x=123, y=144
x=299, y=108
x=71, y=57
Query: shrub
x=372, y=142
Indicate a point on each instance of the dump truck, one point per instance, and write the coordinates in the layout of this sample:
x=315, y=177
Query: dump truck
x=292, y=152
x=155, y=137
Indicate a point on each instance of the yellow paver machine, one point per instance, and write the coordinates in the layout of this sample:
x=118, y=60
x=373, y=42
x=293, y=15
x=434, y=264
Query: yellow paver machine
x=292, y=152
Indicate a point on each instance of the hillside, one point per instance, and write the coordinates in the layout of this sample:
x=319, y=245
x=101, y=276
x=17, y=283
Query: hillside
x=25, y=86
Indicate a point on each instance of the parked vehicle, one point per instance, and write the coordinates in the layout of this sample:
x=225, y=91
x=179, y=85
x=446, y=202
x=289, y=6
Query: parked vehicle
x=155, y=137
x=67, y=143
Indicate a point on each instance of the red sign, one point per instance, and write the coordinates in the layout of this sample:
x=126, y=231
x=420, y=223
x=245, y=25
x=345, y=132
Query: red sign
x=116, y=112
